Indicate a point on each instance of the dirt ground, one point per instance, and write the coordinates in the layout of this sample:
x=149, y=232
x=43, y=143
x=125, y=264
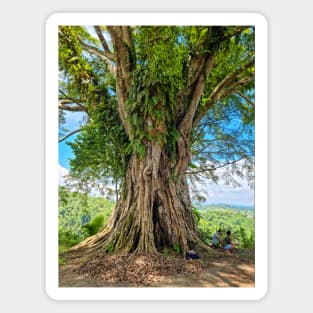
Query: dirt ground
x=217, y=270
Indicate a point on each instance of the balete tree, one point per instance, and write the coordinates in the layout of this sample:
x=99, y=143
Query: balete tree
x=164, y=104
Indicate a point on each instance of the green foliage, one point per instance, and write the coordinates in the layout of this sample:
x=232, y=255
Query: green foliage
x=68, y=239
x=196, y=214
x=157, y=78
x=72, y=62
x=177, y=248
x=95, y=225
x=99, y=149
x=165, y=251
x=247, y=242
x=160, y=55
x=77, y=210
x=101, y=146
x=111, y=247
x=239, y=221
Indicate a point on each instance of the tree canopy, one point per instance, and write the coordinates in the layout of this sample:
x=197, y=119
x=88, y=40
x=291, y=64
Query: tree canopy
x=164, y=64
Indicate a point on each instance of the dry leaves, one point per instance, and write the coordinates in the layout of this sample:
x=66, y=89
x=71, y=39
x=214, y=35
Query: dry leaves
x=137, y=270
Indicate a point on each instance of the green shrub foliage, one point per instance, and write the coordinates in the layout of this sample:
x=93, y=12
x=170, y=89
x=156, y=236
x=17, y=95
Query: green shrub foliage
x=95, y=225
x=80, y=216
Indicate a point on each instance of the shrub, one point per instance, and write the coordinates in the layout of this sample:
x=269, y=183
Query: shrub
x=68, y=239
x=95, y=225
x=247, y=242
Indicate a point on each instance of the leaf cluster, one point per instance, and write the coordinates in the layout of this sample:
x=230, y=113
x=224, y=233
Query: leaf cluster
x=100, y=149
x=94, y=225
x=71, y=59
x=156, y=80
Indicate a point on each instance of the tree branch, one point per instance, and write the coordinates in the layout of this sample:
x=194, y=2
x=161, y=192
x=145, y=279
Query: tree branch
x=195, y=62
x=122, y=50
x=226, y=87
x=245, y=98
x=229, y=79
x=186, y=124
x=195, y=67
x=63, y=103
x=69, y=99
x=70, y=134
x=211, y=169
x=65, y=107
x=104, y=44
x=100, y=54
x=127, y=36
x=201, y=65
x=235, y=87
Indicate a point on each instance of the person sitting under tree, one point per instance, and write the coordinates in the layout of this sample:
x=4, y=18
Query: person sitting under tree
x=217, y=240
x=229, y=245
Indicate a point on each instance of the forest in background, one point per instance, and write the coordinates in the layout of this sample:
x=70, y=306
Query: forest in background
x=81, y=216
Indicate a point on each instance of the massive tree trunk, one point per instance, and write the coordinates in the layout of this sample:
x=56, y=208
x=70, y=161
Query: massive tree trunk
x=154, y=211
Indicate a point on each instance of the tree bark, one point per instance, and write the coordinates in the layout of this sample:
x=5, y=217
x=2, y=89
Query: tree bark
x=154, y=211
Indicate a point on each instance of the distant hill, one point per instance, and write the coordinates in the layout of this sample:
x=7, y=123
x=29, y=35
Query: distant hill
x=223, y=206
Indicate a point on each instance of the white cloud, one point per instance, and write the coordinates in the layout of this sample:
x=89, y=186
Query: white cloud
x=62, y=172
x=225, y=194
x=228, y=195
x=107, y=189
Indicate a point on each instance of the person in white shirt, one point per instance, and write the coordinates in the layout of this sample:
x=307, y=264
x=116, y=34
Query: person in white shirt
x=217, y=241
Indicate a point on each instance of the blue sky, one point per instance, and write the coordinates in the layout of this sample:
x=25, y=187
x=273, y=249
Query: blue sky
x=73, y=122
x=215, y=193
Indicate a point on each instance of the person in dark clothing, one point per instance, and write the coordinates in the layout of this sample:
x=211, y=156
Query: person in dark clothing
x=229, y=245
